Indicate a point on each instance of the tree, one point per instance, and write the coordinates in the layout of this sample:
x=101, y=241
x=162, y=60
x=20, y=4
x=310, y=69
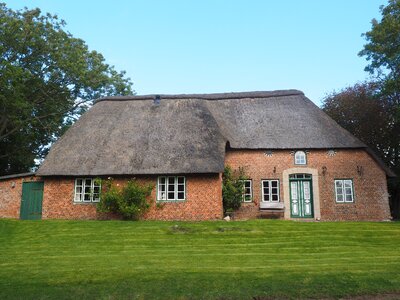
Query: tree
x=369, y=115
x=47, y=79
x=360, y=110
x=383, y=53
x=232, y=188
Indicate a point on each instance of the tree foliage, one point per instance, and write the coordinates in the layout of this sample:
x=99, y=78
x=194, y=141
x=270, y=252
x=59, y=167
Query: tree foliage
x=232, y=188
x=361, y=110
x=46, y=78
x=130, y=201
x=365, y=112
x=382, y=51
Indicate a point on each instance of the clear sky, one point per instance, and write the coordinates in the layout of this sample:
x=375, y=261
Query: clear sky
x=207, y=46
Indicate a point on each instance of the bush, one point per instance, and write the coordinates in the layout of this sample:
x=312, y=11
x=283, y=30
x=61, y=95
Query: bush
x=232, y=188
x=130, y=201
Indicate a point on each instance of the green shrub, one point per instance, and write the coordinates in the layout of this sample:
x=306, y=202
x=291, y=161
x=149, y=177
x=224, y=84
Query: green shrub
x=130, y=201
x=232, y=188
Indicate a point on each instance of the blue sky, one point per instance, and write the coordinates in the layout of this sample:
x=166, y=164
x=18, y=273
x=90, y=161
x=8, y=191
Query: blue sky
x=224, y=46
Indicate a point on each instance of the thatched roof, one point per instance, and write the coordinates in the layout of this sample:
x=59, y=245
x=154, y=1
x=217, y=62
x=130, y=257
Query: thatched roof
x=188, y=133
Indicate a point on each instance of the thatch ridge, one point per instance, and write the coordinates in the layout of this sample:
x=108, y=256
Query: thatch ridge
x=212, y=96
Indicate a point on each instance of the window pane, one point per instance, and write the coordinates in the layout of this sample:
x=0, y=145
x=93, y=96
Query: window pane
x=78, y=197
x=181, y=196
x=274, y=183
x=78, y=189
x=349, y=198
x=79, y=182
x=266, y=195
x=338, y=183
x=86, y=197
x=300, y=158
x=88, y=181
x=171, y=196
x=339, y=198
x=275, y=197
x=181, y=188
x=161, y=180
x=181, y=180
x=293, y=187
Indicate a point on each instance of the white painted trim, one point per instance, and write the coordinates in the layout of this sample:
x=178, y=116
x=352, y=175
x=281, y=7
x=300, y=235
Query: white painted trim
x=315, y=187
x=270, y=190
x=344, y=194
x=244, y=191
x=175, y=189
x=300, y=158
x=82, y=194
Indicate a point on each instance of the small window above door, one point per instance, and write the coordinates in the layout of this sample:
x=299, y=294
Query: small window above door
x=300, y=176
x=300, y=158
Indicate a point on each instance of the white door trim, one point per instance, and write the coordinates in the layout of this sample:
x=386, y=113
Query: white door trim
x=315, y=187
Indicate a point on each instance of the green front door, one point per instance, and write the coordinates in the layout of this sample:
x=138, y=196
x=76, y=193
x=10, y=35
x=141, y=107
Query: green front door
x=31, y=201
x=301, y=200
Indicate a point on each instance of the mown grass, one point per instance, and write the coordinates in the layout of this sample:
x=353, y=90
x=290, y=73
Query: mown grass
x=259, y=259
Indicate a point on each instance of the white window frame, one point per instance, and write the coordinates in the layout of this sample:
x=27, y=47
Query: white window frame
x=163, y=188
x=79, y=197
x=270, y=191
x=300, y=158
x=248, y=196
x=344, y=193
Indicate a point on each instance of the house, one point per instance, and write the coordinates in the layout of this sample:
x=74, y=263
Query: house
x=300, y=163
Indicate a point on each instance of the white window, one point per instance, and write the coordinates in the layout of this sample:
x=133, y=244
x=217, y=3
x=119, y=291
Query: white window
x=170, y=188
x=87, y=190
x=247, y=191
x=270, y=190
x=300, y=158
x=344, y=190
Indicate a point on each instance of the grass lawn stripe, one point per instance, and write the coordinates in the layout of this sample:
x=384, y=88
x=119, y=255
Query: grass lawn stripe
x=186, y=260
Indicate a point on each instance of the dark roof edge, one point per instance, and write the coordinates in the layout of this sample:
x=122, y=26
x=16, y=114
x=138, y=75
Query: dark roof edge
x=380, y=162
x=215, y=96
x=17, y=175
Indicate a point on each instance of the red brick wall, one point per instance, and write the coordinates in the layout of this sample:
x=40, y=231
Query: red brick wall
x=10, y=196
x=203, y=193
x=203, y=200
x=370, y=188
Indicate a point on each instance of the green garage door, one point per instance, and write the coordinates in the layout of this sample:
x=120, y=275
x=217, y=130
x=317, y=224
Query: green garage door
x=31, y=202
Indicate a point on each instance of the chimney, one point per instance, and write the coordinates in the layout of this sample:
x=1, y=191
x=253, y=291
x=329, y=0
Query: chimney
x=157, y=100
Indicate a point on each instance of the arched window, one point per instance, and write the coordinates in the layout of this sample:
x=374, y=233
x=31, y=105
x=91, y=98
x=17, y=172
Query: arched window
x=300, y=158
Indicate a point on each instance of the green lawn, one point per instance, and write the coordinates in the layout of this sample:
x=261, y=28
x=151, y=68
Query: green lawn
x=183, y=260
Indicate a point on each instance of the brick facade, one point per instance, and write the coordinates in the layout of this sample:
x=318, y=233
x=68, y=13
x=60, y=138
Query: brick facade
x=203, y=192
x=203, y=200
x=10, y=195
x=369, y=180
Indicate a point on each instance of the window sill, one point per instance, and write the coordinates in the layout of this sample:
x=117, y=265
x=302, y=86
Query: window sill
x=170, y=201
x=272, y=205
x=84, y=203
